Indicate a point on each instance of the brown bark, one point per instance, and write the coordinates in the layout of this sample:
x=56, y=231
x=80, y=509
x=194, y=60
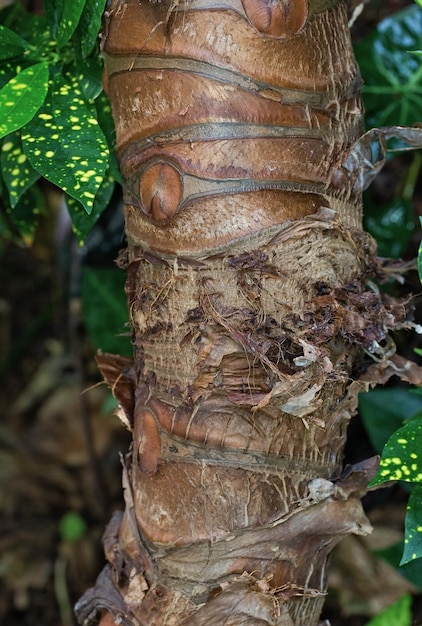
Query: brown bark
x=247, y=271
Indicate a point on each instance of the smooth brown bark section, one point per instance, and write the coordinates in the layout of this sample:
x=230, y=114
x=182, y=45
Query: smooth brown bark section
x=247, y=271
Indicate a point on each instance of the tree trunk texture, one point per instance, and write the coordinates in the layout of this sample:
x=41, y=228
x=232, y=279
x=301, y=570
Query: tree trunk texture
x=253, y=323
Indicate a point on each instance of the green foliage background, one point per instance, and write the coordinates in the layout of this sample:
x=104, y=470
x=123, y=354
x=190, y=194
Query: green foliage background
x=54, y=117
x=390, y=63
x=56, y=125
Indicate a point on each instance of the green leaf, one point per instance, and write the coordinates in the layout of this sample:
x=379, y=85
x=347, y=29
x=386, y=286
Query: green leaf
x=25, y=215
x=11, y=44
x=103, y=290
x=413, y=527
x=397, y=614
x=63, y=16
x=383, y=411
x=18, y=174
x=64, y=142
x=401, y=458
x=8, y=70
x=391, y=224
x=89, y=74
x=36, y=31
x=105, y=120
x=86, y=35
x=81, y=221
x=22, y=96
x=392, y=77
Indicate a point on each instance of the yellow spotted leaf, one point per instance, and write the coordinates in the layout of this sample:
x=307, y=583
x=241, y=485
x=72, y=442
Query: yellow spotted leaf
x=413, y=527
x=64, y=142
x=63, y=16
x=402, y=455
x=17, y=172
x=22, y=96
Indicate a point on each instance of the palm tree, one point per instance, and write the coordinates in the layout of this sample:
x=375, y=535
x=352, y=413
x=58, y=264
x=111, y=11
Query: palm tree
x=253, y=326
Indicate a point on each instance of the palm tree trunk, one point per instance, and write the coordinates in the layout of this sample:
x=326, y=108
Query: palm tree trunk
x=247, y=271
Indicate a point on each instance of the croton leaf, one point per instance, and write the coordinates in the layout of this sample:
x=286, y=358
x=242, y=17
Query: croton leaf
x=63, y=16
x=26, y=213
x=11, y=44
x=86, y=34
x=36, y=31
x=18, y=174
x=383, y=411
x=105, y=120
x=413, y=527
x=81, y=221
x=392, y=77
x=64, y=142
x=8, y=70
x=402, y=455
x=89, y=74
x=22, y=96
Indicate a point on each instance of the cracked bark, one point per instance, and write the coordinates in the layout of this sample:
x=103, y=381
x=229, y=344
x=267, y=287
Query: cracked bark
x=236, y=131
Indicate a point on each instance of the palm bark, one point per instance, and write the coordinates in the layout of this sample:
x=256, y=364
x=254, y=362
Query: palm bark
x=251, y=319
